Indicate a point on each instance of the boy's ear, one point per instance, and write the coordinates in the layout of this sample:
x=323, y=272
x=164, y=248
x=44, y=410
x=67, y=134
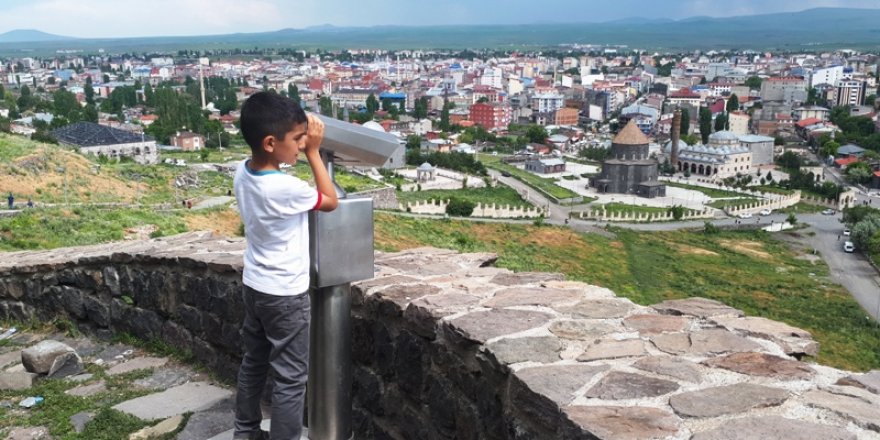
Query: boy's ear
x=269, y=143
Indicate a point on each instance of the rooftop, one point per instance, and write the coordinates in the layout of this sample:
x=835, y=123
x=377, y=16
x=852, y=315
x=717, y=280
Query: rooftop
x=631, y=135
x=87, y=134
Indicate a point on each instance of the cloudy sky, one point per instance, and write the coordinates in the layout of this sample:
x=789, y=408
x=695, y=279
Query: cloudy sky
x=131, y=18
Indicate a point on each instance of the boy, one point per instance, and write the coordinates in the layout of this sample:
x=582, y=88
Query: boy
x=274, y=209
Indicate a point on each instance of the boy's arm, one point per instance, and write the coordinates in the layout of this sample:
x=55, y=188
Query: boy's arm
x=325, y=186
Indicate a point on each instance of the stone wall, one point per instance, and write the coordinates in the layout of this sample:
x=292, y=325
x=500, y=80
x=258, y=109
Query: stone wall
x=447, y=346
x=383, y=198
x=438, y=207
x=643, y=217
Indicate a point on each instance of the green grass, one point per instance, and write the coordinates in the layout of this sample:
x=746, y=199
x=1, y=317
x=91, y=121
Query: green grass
x=774, y=189
x=58, y=227
x=621, y=207
x=542, y=184
x=499, y=195
x=12, y=147
x=649, y=267
x=802, y=208
x=710, y=192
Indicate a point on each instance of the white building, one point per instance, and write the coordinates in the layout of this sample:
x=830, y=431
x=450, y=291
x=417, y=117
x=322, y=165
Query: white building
x=762, y=148
x=723, y=157
x=548, y=102
x=828, y=75
x=849, y=92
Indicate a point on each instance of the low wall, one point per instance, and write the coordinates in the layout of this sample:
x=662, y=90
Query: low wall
x=448, y=347
x=383, y=198
x=642, y=217
x=438, y=207
x=781, y=202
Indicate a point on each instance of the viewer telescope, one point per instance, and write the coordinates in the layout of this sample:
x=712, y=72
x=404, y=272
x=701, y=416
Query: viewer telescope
x=341, y=248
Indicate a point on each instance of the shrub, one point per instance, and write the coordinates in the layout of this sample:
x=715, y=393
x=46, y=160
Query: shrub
x=677, y=211
x=710, y=228
x=460, y=208
x=792, y=219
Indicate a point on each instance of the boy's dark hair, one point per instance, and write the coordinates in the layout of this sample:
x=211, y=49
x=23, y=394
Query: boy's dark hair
x=265, y=114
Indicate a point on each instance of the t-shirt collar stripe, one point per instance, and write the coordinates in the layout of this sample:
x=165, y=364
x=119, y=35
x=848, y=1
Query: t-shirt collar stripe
x=261, y=172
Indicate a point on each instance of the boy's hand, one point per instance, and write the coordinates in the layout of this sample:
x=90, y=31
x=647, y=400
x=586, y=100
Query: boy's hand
x=315, y=135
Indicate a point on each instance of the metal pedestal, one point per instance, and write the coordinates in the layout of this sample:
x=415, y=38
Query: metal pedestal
x=329, y=395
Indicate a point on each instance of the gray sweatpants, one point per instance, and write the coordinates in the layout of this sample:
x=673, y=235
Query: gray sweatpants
x=276, y=334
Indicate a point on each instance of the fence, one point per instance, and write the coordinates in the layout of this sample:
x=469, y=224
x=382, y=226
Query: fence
x=779, y=202
x=438, y=207
x=643, y=217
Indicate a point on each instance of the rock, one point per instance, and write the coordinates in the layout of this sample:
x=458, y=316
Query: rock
x=135, y=364
x=80, y=420
x=762, y=364
x=17, y=381
x=190, y=397
x=558, y=382
x=618, y=385
x=81, y=377
x=532, y=296
x=703, y=342
x=36, y=433
x=869, y=381
x=792, y=340
x=654, y=324
x=773, y=427
x=516, y=279
x=164, y=427
x=863, y=413
x=484, y=325
x=730, y=399
x=207, y=424
x=10, y=358
x=544, y=349
x=599, y=309
x=165, y=378
x=67, y=364
x=611, y=349
x=87, y=390
x=622, y=423
x=582, y=329
x=699, y=307
x=670, y=366
x=39, y=358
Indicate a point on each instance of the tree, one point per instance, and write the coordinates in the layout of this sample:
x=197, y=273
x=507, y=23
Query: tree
x=753, y=82
x=372, y=104
x=420, y=111
x=90, y=113
x=460, y=207
x=732, y=103
x=778, y=140
x=25, y=99
x=705, y=124
x=690, y=139
x=685, y=121
x=721, y=122
x=65, y=105
x=859, y=172
x=865, y=230
x=89, y=91
x=537, y=134
x=812, y=96
x=413, y=141
x=293, y=93
x=869, y=100
x=326, y=106
x=444, y=118
x=829, y=149
x=106, y=78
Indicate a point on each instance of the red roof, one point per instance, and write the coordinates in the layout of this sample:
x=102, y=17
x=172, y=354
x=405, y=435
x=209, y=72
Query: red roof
x=808, y=122
x=846, y=160
x=684, y=93
x=717, y=107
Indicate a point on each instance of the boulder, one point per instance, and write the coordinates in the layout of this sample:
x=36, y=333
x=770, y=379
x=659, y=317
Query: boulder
x=40, y=358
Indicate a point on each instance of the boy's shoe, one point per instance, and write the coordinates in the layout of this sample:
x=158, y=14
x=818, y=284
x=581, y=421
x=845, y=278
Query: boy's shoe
x=259, y=435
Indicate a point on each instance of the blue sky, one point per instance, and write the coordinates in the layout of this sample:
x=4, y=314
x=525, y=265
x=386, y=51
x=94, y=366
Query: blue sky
x=130, y=18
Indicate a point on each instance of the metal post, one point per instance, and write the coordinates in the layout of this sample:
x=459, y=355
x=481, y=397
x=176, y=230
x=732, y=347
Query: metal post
x=330, y=377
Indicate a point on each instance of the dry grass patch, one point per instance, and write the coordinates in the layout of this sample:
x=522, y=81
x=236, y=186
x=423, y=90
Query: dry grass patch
x=225, y=222
x=750, y=248
x=692, y=250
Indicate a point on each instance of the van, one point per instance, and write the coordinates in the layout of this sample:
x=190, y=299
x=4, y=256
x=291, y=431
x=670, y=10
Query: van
x=849, y=246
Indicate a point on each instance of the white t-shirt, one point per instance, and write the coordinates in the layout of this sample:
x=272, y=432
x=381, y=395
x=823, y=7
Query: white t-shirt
x=274, y=209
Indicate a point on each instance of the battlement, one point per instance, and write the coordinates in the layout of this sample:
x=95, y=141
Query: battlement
x=448, y=346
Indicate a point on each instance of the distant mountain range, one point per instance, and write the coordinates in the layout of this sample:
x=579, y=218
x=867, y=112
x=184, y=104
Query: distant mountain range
x=820, y=28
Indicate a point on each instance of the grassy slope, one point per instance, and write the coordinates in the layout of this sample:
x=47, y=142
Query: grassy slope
x=499, y=195
x=747, y=270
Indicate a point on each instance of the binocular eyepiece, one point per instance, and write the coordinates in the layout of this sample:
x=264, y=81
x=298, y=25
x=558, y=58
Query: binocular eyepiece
x=356, y=145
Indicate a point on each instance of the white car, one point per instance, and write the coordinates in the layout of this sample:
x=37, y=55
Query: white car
x=828, y=211
x=848, y=246
x=766, y=212
x=744, y=215
x=846, y=232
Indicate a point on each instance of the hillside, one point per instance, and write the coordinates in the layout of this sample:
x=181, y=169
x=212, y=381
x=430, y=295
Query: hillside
x=29, y=35
x=813, y=29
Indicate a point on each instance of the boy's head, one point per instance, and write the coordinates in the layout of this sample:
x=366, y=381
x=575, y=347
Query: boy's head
x=267, y=114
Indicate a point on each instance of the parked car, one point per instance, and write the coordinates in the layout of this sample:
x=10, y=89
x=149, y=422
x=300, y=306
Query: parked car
x=828, y=211
x=846, y=232
x=766, y=212
x=744, y=215
x=848, y=246
x=505, y=174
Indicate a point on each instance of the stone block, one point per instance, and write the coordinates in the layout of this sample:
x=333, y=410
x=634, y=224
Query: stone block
x=613, y=349
x=656, y=324
x=17, y=381
x=792, y=340
x=111, y=280
x=599, y=309
x=158, y=430
x=71, y=300
x=773, y=427
x=88, y=390
x=543, y=349
x=520, y=278
x=761, y=364
x=711, y=341
x=862, y=412
x=135, y=364
x=484, y=325
x=869, y=381
x=190, y=397
x=618, y=385
x=677, y=368
x=624, y=423
x=67, y=364
x=190, y=317
x=80, y=420
x=97, y=310
x=40, y=358
x=533, y=296
x=726, y=400
x=699, y=307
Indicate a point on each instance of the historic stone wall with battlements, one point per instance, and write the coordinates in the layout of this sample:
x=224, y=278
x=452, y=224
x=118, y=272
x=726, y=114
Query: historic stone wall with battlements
x=448, y=346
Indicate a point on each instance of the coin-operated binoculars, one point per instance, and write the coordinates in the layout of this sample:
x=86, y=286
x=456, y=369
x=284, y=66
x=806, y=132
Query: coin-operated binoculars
x=341, y=246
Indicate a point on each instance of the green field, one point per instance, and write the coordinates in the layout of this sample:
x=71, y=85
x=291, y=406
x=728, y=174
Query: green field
x=542, y=184
x=499, y=195
x=751, y=271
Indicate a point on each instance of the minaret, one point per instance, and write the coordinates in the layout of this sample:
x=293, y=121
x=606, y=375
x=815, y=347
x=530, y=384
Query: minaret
x=202, y=61
x=676, y=136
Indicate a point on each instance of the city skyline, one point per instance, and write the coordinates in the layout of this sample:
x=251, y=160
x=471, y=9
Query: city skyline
x=127, y=18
